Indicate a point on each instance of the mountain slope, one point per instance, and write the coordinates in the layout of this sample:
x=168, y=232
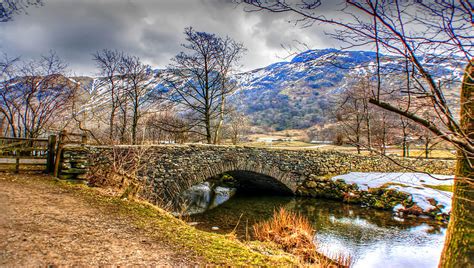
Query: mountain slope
x=301, y=92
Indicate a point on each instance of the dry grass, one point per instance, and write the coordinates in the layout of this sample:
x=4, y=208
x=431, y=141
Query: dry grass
x=336, y=260
x=291, y=231
x=294, y=234
x=415, y=152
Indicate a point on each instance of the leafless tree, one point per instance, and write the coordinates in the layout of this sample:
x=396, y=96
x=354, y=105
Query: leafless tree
x=229, y=54
x=138, y=79
x=109, y=63
x=9, y=8
x=34, y=93
x=424, y=33
x=382, y=129
x=200, y=78
x=359, y=93
x=237, y=126
x=354, y=112
x=405, y=125
x=168, y=127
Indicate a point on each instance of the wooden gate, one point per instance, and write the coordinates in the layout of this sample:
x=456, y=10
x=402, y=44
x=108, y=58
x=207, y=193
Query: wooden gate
x=24, y=154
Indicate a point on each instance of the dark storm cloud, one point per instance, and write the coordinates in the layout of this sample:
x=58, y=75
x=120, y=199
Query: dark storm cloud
x=152, y=30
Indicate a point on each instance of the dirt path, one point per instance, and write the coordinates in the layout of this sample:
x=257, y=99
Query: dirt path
x=41, y=224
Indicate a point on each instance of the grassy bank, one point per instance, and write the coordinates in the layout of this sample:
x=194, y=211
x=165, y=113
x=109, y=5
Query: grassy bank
x=161, y=226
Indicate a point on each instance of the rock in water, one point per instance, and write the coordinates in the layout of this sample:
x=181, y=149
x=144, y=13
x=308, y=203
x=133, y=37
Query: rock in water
x=198, y=198
x=221, y=195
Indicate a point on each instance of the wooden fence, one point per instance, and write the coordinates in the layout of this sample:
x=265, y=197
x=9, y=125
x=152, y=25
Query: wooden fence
x=25, y=154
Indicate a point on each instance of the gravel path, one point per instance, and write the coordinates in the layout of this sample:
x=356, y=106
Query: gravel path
x=42, y=225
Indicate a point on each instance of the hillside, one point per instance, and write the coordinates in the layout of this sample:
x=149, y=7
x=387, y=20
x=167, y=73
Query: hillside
x=302, y=92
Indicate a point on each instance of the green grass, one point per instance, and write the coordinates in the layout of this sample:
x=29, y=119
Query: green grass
x=447, y=188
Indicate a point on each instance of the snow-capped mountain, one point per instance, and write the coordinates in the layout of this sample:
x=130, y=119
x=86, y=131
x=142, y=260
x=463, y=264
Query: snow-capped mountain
x=300, y=93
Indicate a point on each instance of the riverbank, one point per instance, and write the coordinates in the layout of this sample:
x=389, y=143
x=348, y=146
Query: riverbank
x=406, y=194
x=50, y=222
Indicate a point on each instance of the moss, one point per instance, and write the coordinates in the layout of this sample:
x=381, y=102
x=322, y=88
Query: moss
x=447, y=188
x=379, y=204
x=388, y=184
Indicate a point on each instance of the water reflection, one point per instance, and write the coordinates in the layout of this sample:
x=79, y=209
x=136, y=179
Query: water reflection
x=374, y=237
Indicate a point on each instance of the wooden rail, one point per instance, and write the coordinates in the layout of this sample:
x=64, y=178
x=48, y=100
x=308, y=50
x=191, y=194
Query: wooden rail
x=36, y=154
x=24, y=152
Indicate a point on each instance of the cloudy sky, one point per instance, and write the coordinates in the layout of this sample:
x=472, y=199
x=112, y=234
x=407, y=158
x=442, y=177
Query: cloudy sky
x=150, y=29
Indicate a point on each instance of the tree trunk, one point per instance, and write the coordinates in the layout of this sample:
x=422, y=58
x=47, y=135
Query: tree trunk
x=459, y=246
x=384, y=137
x=405, y=139
x=427, y=148
x=358, y=141
x=124, y=125
x=221, y=121
x=369, y=132
x=134, y=126
x=112, y=112
x=358, y=134
x=208, y=128
x=404, y=145
x=111, y=124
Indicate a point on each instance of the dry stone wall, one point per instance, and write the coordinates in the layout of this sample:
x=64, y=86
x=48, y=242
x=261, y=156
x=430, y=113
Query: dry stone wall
x=165, y=170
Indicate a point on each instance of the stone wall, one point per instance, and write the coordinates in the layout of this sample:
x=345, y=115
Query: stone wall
x=165, y=170
x=74, y=163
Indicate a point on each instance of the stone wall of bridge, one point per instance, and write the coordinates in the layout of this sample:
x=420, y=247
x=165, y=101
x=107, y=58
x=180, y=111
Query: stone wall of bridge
x=162, y=171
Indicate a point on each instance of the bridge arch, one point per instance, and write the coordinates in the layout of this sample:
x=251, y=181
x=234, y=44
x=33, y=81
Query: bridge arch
x=253, y=175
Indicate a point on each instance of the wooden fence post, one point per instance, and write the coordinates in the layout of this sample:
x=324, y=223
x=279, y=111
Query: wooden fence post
x=62, y=139
x=17, y=162
x=51, y=153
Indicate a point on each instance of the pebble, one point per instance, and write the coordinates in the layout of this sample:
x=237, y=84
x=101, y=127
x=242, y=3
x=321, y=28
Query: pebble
x=215, y=228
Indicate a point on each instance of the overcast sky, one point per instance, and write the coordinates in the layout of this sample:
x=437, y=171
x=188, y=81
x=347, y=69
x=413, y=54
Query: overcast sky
x=150, y=29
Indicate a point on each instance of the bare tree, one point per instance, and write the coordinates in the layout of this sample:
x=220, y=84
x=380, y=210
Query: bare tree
x=33, y=94
x=382, y=129
x=229, y=54
x=424, y=33
x=138, y=79
x=352, y=113
x=109, y=63
x=168, y=127
x=405, y=127
x=237, y=126
x=200, y=78
x=9, y=8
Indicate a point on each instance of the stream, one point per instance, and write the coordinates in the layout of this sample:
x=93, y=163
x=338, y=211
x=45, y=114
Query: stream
x=375, y=238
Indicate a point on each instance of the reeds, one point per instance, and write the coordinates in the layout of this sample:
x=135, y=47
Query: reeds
x=291, y=231
x=295, y=234
x=336, y=260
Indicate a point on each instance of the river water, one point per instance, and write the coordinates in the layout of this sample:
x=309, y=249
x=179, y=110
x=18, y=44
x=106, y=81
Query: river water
x=374, y=238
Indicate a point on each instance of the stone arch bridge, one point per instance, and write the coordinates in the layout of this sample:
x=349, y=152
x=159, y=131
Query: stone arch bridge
x=163, y=171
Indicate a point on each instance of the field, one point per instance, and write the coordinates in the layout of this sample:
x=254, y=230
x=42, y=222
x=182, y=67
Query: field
x=415, y=152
